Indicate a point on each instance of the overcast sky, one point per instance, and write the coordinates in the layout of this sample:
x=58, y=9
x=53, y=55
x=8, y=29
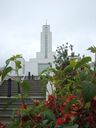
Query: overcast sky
x=21, y=21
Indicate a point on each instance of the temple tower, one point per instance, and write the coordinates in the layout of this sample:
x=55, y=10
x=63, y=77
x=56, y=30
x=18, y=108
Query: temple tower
x=45, y=42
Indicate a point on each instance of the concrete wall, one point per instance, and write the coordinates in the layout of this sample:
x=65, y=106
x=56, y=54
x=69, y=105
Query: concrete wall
x=32, y=67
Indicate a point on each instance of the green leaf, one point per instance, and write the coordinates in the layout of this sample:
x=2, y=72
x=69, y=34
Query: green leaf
x=49, y=114
x=82, y=62
x=14, y=124
x=7, y=61
x=71, y=126
x=69, y=104
x=68, y=68
x=5, y=72
x=92, y=49
x=25, y=87
x=73, y=62
x=18, y=56
x=88, y=90
x=61, y=127
x=13, y=58
x=18, y=64
x=44, y=122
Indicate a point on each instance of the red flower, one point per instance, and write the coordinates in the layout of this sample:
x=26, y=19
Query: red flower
x=74, y=97
x=25, y=118
x=61, y=108
x=75, y=107
x=74, y=113
x=37, y=118
x=2, y=125
x=17, y=113
x=23, y=106
x=64, y=104
x=46, y=103
x=51, y=97
x=59, y=121
x=67, y=117
x=70, y=97
x=51, y=102
x=36, y=102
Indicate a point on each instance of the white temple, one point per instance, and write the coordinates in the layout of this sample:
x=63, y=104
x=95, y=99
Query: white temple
x=43, y=58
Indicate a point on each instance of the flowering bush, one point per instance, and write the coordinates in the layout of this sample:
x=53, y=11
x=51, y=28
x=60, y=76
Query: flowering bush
x=74, y=77
x=64, y=111
x=87, y=116
x=71, y=105
x=52, y=113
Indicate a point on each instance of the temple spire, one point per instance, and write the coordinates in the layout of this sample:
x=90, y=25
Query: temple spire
x=46, y=21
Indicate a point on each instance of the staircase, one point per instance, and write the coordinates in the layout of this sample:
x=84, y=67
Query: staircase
x=36, y=92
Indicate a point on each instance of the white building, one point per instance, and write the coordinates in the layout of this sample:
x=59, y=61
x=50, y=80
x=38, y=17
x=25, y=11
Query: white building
x=43, y=58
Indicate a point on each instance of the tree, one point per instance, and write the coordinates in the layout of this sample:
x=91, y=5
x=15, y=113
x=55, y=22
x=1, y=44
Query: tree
x=61, y=59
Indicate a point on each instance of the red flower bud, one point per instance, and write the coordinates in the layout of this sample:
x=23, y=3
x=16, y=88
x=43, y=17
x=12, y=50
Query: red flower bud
x=36, y=102
x=59, y=121
x=23, y=106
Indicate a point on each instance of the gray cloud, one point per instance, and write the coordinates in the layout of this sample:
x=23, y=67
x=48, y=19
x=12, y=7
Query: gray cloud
x=21, y=22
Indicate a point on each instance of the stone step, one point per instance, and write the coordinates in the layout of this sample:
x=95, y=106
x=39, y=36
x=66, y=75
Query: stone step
x=16, y=102
x=30, y=93
x=37, y=92
x=6, y=113
x=5, y=118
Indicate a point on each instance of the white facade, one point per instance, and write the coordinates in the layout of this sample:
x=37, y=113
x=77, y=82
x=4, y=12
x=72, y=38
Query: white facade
x=43, y=58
